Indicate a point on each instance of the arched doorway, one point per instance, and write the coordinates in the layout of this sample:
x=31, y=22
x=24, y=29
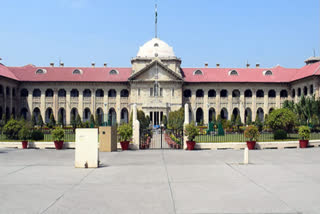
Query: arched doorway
x=248, y=116
x=124, y=115
x=62, y=117
x=212, y=114
x=260, y=114
x=224, y=114
x=86, y=114
x=24, y=113
x=48, y=114
x=199, y=115
x=36, y=113
x=99, y=116
x=235, y=113
x=112, y=116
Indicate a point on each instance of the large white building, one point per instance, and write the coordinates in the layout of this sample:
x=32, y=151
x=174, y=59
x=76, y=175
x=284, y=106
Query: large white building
x=157, y=83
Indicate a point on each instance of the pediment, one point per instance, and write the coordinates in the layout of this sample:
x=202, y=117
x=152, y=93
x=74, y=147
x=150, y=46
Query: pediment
x=156, y=70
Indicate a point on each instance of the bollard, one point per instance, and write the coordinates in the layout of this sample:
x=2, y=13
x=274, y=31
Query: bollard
x=246, y=156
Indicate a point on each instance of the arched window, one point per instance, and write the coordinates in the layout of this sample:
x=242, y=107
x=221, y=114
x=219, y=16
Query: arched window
x=248, y=93
x=41, y=71
x=272, y=93
x=224, y=114
x=283, y=93
x=199, y=115
x=293, y=93
x=233, y=73
x=24, y=93
x=223, y=93
x=299, y=92
x=124, y=93
x=112, y=93
x=235, y=93
x=87, y=93
x=187, y=93
x=124, y=115
x=62, y=93
x=260, y=114
x=36, y=92
x=197, y=72
x=77, y=71
x=311, y=89
x=49, y=93
x=267, y=73
x=305, y=91
x=248, y=116
x=113, y=72
x=212, y=93
x=74, y=93
x=99, y=93
x=260, y=93
x=199, y=93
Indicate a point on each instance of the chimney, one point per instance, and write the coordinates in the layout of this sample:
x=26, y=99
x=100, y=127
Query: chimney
x=257, y=65
x=206, y=65
x=51, y=64
x=93, y=64
x=218, y=65
x=248, y=65
x=61, y=64
x=105, y=65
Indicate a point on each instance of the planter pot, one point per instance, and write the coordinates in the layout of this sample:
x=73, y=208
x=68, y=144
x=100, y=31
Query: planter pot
x=190, y=145
x=251, y=145
x=58, y=144
x=124, y=145
x=24, y=144
x=303, y=143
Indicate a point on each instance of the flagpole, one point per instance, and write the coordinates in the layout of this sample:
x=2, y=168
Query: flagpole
x=156, y=21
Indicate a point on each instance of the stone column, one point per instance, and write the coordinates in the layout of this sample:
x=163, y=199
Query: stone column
x=118, y=106
x=278, y=105
x=68, y=106
x=55, y=104
x=4, y=100
x=229, y=104
x=186, y=122
x=10, y=100
x=218, y=106
x=205, y=107
x=135, y=128
x=254, y=104
x=242, y=106
x=93, y=102
x=266, y=104
x=43, y=105
x=80, y=110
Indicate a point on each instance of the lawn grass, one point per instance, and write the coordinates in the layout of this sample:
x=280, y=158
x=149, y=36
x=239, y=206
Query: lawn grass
x=69, y=137
x=239, y=137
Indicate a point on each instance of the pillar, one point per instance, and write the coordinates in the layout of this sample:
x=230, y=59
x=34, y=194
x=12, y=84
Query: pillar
x=135, y=128
x=242, y=106
x=254, y=104
x=205, y=107
x=68, y=105
x=43, y=105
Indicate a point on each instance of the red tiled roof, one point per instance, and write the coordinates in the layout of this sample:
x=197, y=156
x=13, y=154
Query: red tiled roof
x=64, y=74
x=5, y=72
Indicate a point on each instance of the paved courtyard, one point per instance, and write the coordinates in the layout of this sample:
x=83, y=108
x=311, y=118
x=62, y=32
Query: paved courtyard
x=161, y=181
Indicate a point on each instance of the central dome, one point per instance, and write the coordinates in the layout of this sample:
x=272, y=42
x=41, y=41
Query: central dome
x=156, y=48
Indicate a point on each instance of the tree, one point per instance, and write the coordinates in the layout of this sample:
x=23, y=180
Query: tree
x=238, y=121
x=219, y=119
x=258, y=123
x=248, y=120
x=33, y=120
x=73, y=121
x=60, y=120
x=283, y=119
x=314, y=120
x=176, y=120
x=12, y=128
x=3, y=121
x=78, y=121
x=92, y=121
x=52, y=121
x=144, y=123
x=214, y=121
x=164, y=120
x=98, y=121
x=233, y=119
x=40, y=120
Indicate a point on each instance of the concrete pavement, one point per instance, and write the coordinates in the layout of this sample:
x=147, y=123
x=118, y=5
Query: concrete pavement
x=161, y=181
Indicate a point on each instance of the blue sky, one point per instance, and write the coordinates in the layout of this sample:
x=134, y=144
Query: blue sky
x=228, y=32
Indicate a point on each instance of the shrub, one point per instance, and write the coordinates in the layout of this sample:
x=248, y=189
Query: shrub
x=252, y=133
x=24, y=133
x=281, y=119
x=37, y=135
x=12, y=128
x=58, y=134
x=304, y=132
x=280, y=134
x=125, y=132
x=191, y=131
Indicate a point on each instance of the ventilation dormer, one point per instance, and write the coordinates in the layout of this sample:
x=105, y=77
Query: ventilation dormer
x=233, y=73
x=197, y=72
x=77, y=71
x=113, y=72
x=267, y=73
x=41, y=71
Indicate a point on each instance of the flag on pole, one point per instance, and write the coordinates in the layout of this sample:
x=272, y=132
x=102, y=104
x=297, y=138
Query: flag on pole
x=156, y=14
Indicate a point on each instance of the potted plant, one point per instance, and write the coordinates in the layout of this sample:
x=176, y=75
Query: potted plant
x=58, y=136
x=191, y=131
x=125, y=134
x=253, y=134
x=24, y=135
x=304, y=133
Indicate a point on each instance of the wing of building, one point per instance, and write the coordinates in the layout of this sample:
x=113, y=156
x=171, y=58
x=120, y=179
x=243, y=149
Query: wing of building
x=157, y=83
